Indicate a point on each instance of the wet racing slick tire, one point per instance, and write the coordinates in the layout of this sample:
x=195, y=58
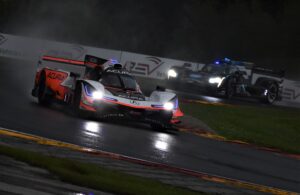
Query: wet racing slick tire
x=272, y=93
x=43, y=98
x=76, y=102
x=229, y=90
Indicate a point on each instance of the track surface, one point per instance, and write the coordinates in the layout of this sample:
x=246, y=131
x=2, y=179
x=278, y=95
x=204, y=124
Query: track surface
x=20, y=112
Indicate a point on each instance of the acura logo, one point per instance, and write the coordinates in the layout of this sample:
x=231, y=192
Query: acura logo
x=2, y=39
x=134, y=102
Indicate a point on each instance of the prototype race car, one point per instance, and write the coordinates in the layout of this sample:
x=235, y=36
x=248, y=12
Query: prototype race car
x=106, y=90
x=230, y=78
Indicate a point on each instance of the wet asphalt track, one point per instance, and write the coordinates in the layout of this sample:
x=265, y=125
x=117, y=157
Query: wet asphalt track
x=20, y=112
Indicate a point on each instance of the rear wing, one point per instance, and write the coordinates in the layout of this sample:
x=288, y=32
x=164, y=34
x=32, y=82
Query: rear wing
x=90, y=63
x=93, y=63
x=63, y=60
x=269, y=72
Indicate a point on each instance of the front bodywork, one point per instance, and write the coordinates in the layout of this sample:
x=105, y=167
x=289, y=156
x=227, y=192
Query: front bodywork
x=134, y=106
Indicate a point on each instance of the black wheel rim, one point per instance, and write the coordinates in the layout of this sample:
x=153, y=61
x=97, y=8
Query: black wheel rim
x=272, y=93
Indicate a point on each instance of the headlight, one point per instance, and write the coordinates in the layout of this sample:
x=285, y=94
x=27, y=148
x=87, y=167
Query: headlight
x=169, y=106
x=214, y=80
x=97, y=95
x=172, y=73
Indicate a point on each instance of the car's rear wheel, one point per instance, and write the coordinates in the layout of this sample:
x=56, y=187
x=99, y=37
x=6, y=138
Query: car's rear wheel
x=229, y=90
x=272, y=93
x=43, y=98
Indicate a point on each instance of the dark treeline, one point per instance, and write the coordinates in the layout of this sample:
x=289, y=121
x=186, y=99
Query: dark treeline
x=266, y=32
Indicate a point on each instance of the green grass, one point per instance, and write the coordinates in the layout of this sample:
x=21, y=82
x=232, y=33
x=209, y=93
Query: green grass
x=93, y=176
x=266, y=126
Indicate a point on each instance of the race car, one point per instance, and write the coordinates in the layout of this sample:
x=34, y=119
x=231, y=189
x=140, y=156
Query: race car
x=230, y=78
x=105, y=89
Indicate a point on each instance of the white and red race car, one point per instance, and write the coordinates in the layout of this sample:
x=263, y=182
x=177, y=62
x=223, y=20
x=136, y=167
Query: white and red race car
x=105, y=89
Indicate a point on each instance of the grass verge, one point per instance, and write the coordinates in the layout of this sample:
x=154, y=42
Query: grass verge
x=266, y=126
x=93, y=176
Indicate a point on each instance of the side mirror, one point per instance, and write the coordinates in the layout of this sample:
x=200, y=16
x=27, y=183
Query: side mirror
x=160, y=88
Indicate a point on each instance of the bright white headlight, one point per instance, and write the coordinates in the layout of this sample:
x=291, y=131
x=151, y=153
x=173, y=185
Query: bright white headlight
x=169, y=106
x=97, y=94
x=172, y=73
x=214, y=80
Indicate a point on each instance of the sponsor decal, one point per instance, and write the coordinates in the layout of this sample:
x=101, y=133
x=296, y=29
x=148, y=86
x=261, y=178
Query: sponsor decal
x=75, y=52
x=2, y=39
x=146, y=68
x=8, y=52
x=134, y=102
x=117, y=71
x=53, y=75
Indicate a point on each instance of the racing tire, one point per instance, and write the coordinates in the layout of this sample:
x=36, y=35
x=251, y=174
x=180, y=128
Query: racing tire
x=43, y=98
x=272, y=93
x=229, y=90
x=158, y=127
x=76, y=101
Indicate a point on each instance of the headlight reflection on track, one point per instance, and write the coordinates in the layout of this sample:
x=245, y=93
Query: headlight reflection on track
x=92, y=128
x=212, y=99
x=162, y=142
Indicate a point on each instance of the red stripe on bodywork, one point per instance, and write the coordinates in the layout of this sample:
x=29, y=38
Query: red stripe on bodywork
x=132, y=106
x=63, y=60
x=87, y=107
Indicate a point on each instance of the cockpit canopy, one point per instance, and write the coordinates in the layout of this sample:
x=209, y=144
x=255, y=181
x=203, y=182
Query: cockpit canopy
x=120, y=81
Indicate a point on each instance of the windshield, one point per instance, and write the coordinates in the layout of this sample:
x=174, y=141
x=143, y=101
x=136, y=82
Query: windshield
x=215, y=68
x=119, y=81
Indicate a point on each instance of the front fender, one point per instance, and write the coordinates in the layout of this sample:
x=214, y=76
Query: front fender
x=95, y=84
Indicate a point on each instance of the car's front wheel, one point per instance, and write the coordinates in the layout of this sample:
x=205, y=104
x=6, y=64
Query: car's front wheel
x=76, y=101
x=43, y=98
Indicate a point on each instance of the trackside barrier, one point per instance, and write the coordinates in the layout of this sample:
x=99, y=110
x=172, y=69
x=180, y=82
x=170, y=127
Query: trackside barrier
x=141, y=65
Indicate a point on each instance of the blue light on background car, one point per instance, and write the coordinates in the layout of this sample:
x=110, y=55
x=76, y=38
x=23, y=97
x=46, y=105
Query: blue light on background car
x=227, y=60
x=113, y=61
